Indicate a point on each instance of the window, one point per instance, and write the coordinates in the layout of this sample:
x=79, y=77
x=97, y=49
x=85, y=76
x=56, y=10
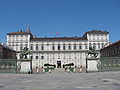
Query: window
x=58, y=47
x=94, y=45
x=42, y=47
x=16, y=37
x=42, y=57
x=31, y=47
x=86, y=46
x=98, y=45
x=69, y=47
x=63, y=47
x=53, y=48
x=74, y=47
x=36, y=46
x=36, y=57
x=80, y=47
x=90, y=45
x=102, y=45
x=21, y=46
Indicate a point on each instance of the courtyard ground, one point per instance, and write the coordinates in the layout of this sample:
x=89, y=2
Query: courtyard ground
x=61, y=81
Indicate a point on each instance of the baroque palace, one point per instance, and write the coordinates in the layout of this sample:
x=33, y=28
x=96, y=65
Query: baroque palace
x=57, y=50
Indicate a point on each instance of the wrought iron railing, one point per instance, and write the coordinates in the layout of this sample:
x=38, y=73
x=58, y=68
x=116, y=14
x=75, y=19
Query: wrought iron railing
x=109, y=64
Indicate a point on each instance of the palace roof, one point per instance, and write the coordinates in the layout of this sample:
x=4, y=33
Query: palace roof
x=59, y=38
x=18, y=33
x=96, y=32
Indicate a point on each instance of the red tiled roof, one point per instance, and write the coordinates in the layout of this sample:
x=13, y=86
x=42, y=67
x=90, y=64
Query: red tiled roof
x=60, y=38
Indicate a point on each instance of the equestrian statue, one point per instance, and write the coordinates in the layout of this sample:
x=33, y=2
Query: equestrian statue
x=92, y=52
x=24, y=53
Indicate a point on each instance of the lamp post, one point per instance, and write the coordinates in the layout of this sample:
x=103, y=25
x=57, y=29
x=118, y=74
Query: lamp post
x=86, y=62
x=31, y=57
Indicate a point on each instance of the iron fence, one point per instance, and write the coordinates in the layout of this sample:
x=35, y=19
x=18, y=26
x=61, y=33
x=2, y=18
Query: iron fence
x=8, y=65
x=109, y=64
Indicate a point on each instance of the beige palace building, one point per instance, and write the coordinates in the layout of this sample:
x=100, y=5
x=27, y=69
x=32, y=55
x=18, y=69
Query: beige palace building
x=57, y=50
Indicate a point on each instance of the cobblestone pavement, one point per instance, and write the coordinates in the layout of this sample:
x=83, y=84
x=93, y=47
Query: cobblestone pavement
x=61, y=81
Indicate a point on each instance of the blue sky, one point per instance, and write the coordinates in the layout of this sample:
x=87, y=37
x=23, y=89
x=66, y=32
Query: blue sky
x=68, y=17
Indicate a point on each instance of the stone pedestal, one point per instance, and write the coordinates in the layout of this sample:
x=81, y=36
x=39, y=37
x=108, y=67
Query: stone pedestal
x=26, y=66
x=92, y=64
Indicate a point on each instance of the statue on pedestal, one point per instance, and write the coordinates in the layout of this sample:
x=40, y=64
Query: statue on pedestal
x=92, y=52
x=24, y=53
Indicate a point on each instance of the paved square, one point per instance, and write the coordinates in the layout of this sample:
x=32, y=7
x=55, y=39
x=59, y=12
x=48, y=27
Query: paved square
x=61, y=81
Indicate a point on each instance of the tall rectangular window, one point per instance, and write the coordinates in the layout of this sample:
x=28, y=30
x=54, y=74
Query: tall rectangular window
x=74, y=47
x=69, y=47
x=102, y=45
x=37, y=47
x=94, y=45
x=42, y=47
x=53, y=48
x=31, y=47
x=64, y=47
x=86, y=46
x=80, y=47
x=21, y=47
x=58, y=47
x=98, y=45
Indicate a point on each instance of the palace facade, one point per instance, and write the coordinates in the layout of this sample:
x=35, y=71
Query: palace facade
x=57, y=50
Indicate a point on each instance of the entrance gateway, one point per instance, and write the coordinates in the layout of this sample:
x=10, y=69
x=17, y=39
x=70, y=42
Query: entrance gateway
x=58, y=64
